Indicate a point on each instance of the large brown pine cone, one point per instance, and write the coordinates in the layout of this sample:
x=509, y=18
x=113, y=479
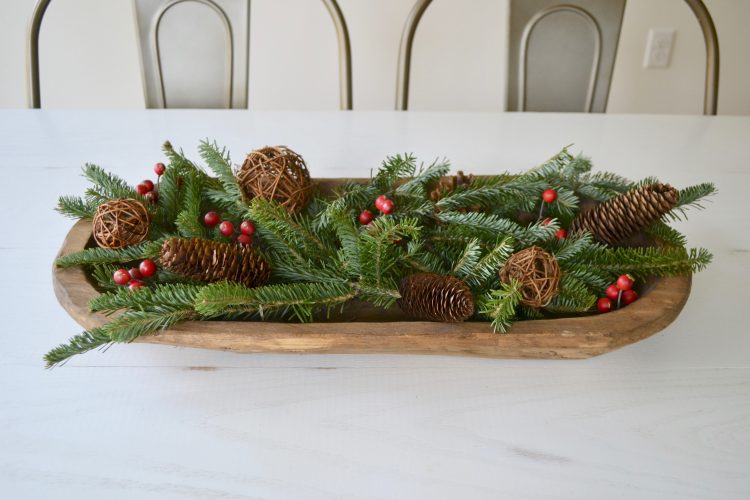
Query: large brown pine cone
x=433, y=297
x=209, y=261
x=448, y=184
x=621, y=217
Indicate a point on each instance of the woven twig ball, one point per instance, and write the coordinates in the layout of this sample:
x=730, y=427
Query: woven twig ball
x=276, y=173
x=538, y=272
x=432, y=297
x=120, y=222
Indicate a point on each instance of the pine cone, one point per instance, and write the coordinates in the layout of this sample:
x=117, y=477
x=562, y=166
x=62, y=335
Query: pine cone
x=206, y=260
x=433, y=297
x=621, y=217
x=449, y=184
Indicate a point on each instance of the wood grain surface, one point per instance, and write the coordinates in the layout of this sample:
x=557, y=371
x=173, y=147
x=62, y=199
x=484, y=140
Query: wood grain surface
x=372, y=332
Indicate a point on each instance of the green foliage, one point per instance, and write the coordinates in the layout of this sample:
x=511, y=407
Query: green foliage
x=297, y=300
x=499, y=305
x=96, y=255
x=220, y=163
x=691, y=196
x=574, y=296
x=188, y=222
x=76, y=207
x=106, y=186
x=645, y=262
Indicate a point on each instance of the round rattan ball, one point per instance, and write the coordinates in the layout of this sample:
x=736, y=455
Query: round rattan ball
x=121, y=222
x=276, y=173
x=538, y=272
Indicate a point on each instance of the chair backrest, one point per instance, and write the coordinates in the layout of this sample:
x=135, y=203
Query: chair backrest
x=168, y=84
x=562, y=54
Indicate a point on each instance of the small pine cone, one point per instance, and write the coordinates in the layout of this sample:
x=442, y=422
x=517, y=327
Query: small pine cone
x=209, y=261
x=433, y=297
x=449, y=184
x=621, y=217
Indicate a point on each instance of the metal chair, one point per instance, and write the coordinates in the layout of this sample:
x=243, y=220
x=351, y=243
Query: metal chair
x=598, y=21
x=150, y=15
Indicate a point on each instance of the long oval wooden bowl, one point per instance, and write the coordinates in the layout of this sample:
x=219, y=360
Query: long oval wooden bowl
x=571, y=338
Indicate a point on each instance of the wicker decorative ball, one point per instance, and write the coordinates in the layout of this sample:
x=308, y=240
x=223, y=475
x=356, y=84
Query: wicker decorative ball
x=538, y=272
x=121, y=222
x=276, y=173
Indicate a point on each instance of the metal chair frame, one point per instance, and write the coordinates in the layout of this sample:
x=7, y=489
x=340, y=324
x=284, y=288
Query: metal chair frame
x=332, y=6
x=711, y=87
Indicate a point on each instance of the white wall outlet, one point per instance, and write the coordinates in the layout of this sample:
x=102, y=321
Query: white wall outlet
x=658, y=48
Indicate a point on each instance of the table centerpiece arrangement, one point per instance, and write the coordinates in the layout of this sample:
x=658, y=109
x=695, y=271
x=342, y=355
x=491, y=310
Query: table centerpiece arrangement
x=260, y=257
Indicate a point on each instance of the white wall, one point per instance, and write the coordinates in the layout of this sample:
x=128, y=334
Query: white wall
x=90, y=55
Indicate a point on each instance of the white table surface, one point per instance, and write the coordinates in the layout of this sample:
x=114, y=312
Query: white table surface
x=668, y=417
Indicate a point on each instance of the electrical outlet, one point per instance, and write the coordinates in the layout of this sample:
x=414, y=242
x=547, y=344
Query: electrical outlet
x=658, y=48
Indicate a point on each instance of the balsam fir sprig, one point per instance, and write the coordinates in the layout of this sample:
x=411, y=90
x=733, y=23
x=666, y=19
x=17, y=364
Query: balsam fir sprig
x=445, y=240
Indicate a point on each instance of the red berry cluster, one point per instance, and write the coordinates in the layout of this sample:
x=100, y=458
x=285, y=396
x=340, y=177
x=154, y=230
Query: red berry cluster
x=549, y=196
x=134, y=277
x=226, y=228
x=620, y=293
x=383, y=204
x=147, y=189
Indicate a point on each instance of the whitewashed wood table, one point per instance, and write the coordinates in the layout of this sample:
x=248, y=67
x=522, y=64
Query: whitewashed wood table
x=668, y=417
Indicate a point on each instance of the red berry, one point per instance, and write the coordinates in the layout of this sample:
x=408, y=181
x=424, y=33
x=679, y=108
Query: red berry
x=147, y=268
x=135, y=274
x=612, y=292
x=159, y=169
x=379, y=201
x=148, y=184
x=629, y=296
x=547, y=221
x=549, y=195
x=152, y=197
x=604, y=305
x=136, y=284
x=625, y=282
x=211, y=219
x=561, y=233
x=247, y=228
x=142, y=189
x=365, y=217
x=386, y=206
x=244, y=240
x=226, y=228
x=121, y=277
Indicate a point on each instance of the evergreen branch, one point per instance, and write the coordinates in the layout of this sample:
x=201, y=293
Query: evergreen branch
x=573, y=296
x=91, y=256
x=645, y=262
x=500, y=305
x=219, y=162
x=351, y=197
x=691, y=196
x=298, y=300
x=76, y=207
x=383, y=296
x=492, y=226
x=124, y=328
x=349, y=239
x=468, y=260
x=78, y=344
x=489, y=265
x=287, y=238
x=107, y=185
x=172, y=296
x=571, y=246
x=378, y=254
x=663, y=233
x=392, y=170
x=102, y=274
x=188, y=220
x=418, y=184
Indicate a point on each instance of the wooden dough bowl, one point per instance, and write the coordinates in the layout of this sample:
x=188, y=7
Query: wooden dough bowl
x=366, y=330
